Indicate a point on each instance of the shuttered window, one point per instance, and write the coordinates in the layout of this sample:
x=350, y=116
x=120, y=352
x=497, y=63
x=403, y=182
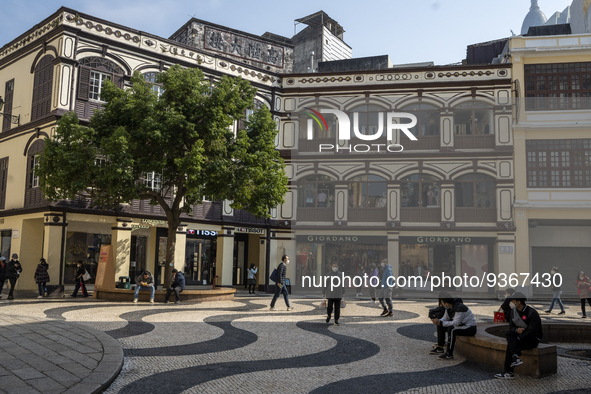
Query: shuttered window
x=42, y=87
x=7, y=109
x=3, y=181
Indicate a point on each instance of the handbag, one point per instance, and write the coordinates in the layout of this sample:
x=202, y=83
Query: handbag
x=274, y=275
x=86, y=276
x=499, y=317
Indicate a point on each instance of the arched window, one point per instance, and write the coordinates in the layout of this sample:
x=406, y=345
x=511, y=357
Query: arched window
x=33, y=195
x=93, y=72
x=42, y=86
x=473, y=118
x=427, y=119
x=420, y=191
x=367, y=191
x=316, y=191
x=152, y=78
x=313, y=131
x=368, y=119
x=475, y=191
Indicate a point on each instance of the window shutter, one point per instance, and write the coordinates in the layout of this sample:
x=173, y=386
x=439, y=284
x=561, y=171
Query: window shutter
x=3, y=180
x=83, y=83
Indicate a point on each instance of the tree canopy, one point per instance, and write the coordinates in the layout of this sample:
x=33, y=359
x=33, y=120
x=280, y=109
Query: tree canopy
x=183, y=140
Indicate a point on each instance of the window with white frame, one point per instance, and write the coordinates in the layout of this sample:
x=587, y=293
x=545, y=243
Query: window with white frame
x=153, y=181
x=34, y=181
x=96, y=84
x=152, y=79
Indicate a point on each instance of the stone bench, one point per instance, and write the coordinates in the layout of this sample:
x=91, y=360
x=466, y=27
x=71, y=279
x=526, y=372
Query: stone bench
x=126, y=295
x=488, y=347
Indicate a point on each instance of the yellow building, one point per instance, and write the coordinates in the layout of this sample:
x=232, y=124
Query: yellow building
x=552, y=131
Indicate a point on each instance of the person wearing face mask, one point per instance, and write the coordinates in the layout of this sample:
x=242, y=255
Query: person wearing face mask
x=583, y=284
x=556, y=292
x=280, y=287
x=334, y=295
x=458, y=320
x=525, y=332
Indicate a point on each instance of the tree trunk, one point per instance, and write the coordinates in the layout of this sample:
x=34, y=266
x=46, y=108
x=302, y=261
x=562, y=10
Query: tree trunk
x=170, y=249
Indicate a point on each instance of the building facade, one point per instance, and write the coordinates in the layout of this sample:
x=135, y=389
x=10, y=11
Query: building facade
x=59, y=66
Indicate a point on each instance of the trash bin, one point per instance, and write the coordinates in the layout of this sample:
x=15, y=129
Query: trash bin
x=124, y=282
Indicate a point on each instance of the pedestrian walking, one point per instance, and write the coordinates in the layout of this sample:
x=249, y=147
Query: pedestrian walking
x=556, y=291
x=334, y=295
x=42, y=277
x=280, y=287
x=79, y=279
x=2, y=273
x=386, y=289
x=252, y=281
x=525, y=332
x=13, y=271
x=583, y=285
x=177, y=286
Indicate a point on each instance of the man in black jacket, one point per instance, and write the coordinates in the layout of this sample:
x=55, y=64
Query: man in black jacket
x=13, y=271
x=280, y=287
x=177, y=286
x=525, y=332
x=334, y=295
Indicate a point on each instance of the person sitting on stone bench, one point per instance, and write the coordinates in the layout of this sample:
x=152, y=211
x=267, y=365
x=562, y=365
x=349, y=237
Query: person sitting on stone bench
x=144, y=282
x=525, y=332
x=177, y=286
x=458, y=320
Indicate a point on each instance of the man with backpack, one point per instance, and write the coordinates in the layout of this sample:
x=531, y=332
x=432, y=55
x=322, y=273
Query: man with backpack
x=280, y=287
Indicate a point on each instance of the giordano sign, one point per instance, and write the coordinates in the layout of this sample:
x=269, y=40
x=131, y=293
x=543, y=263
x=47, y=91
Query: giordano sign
x=446, y=240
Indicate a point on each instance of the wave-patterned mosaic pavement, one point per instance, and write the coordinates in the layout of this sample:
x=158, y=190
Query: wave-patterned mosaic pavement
x=241, y=346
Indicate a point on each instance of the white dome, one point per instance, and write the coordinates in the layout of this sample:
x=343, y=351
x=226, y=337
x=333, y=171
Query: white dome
x=535, y=17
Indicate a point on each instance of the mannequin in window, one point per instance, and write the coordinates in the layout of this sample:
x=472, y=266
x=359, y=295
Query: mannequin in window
x=322, y=197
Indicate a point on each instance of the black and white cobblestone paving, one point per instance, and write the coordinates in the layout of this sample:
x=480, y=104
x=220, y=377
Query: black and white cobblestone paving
x=241, y=346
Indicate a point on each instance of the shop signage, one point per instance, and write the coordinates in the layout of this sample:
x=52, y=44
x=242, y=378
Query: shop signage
x=155, y=223
x=210, y=233
x=137, y=226
x=249, y=230
x=446, y=240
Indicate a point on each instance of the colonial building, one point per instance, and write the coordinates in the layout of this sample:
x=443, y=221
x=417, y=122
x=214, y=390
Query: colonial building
x=58, y=66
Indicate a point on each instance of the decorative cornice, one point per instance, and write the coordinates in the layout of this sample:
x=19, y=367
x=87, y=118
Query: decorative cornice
x=39, y=32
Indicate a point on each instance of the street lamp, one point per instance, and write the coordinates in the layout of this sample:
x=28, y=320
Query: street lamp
x=16, y=119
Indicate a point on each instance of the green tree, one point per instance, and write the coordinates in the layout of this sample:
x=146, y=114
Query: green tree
x=183, y=138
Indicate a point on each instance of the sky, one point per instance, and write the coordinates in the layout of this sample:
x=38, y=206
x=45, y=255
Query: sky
x=409, y=31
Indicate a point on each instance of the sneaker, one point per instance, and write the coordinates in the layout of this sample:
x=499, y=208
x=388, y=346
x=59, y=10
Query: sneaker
x=40, y=296
x=328, y=319
x=44, y=294
x=389, y=314
x=505, y=375
x=12, y=298
x=437, y=350
x=167, y=302
x=135, y=300
x=336, y=323
x=446, y=356
x=152, y=300
x=272, y=308
x=384, y=312
x=177, y=302
x=516, y=362
x=290, y=308
x=582, y=317
x=561, y=312
x=548, y=312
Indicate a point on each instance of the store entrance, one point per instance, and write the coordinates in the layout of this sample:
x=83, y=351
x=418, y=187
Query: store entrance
x=444, y=259
x=240, y=259
x=199, y=255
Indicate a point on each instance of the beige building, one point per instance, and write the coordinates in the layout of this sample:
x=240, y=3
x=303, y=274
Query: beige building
x=552, y=131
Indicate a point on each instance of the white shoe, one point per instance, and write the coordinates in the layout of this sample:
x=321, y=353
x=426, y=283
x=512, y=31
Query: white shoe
x=290, y=308
x=39, y=296
x=135, y=300
x=272, y=308
x=152, y=300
